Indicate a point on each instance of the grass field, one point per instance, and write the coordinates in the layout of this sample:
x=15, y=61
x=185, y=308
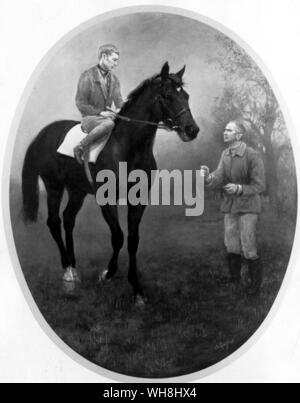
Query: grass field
x=191, y=320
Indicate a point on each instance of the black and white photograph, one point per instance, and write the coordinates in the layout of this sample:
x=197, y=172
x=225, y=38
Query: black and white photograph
x=150, y=199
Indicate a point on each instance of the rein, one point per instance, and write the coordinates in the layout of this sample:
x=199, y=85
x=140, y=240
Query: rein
x=170, y=127
x=146, y=122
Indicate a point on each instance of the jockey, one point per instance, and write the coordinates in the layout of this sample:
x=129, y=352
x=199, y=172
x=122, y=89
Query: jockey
x=97, y=89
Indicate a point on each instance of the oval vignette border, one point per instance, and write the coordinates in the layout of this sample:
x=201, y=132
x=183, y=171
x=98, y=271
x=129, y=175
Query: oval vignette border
x=5, y=195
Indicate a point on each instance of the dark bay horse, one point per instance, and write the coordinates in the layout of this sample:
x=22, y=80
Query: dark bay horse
x=161, y=98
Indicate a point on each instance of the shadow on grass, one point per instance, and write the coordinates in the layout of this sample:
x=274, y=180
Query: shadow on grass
x=191, y=321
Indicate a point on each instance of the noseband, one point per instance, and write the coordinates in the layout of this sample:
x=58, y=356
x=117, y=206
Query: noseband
x=182, y=112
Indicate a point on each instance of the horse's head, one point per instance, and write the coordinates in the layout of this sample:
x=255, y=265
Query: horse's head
x=173, y=104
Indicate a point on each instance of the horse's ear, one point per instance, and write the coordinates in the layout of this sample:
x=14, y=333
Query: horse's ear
x=181, y=73
x=165, y=71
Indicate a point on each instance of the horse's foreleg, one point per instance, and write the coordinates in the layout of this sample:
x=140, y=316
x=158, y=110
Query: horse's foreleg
x=74, y=205
x=110, y=214
x=135, y=214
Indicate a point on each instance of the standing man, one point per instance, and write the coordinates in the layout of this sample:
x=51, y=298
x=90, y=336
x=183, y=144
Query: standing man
x=240, y=175
x=97, y=89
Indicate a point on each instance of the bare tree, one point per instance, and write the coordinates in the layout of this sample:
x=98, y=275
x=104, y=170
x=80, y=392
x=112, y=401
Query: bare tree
x=248, y=95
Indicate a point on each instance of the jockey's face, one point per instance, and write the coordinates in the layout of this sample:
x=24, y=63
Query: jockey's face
x=109, y=62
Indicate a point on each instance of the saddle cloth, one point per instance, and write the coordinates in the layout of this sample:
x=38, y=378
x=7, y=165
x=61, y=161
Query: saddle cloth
x=74, y=137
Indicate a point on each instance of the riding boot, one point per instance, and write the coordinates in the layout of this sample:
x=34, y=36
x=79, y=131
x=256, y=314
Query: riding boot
x=78, y=153
x=98, y=134
x=234, y=262
x=255, y=275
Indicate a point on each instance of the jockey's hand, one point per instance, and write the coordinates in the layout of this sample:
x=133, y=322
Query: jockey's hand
x=231, y=189
x=108, y=114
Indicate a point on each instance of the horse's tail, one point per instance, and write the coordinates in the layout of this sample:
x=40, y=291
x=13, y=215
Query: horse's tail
x=30, y=187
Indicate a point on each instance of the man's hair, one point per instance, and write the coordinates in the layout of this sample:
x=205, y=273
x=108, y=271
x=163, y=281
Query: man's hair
x=240, y=126
x=107, y=49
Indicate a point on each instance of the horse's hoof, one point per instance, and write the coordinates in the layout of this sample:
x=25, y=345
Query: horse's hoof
x=140, y=301
x=102, y=277
x=71, y=275
x=71, y=281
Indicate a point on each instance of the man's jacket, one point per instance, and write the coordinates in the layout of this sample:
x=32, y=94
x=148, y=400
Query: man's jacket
x=243, y=167
x=93, y=94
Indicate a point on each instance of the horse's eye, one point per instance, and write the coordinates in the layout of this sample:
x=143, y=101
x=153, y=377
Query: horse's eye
x=178, y=89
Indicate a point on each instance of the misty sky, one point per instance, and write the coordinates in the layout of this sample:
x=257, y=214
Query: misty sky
x=146, y=41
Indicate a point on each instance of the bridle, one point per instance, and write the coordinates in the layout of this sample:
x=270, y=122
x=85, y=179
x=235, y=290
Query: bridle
x=169, y=122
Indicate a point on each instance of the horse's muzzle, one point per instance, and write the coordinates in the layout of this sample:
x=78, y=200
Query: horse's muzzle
x=191, y=131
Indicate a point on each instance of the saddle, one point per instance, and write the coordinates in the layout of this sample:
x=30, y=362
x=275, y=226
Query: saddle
x=74, y=137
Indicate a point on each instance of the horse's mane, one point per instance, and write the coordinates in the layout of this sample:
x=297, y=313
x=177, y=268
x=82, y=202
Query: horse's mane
x=133, y=95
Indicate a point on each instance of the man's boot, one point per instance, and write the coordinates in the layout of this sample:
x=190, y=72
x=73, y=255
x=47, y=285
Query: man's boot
x=98, y=134
x=234, y=262
x=78, y=153
x=255, y=275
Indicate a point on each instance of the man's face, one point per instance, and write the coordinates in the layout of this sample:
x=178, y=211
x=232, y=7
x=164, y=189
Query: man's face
x=231, y=133
x=109, y=62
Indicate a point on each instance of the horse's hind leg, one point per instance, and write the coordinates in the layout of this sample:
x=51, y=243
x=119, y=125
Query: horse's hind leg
x=69, y=216
x=54, y=197
x=110, y=214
